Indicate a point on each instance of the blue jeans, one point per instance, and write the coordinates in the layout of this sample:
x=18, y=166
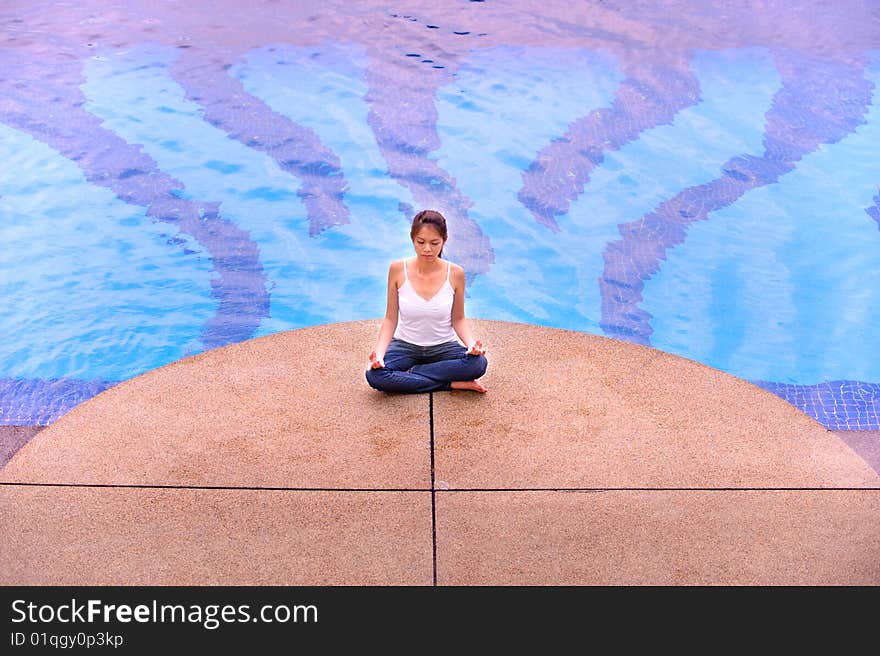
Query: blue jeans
x=410, y=368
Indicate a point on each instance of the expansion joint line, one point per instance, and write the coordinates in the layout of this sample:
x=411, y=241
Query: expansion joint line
x=433, y=490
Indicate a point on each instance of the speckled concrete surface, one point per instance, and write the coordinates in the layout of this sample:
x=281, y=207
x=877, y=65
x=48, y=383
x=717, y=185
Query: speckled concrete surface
x=13, y=438
x=288, y=410
x=826, y=537
x=125, y=536
x=273, y=462
x=569, y=410
x=865, y=443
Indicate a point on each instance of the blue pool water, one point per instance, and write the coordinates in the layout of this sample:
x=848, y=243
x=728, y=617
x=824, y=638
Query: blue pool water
x=168, y=203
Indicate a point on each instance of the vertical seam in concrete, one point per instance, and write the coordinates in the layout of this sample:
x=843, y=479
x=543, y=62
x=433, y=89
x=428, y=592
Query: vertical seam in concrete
x=433, y=489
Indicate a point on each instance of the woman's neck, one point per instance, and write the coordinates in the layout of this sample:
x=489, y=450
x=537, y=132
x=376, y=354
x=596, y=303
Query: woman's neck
x=424, y=269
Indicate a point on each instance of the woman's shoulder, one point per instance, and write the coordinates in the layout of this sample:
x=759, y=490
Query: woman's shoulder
x=456, y=272
x=396, y=266
x=455, y=268
x=396, y=272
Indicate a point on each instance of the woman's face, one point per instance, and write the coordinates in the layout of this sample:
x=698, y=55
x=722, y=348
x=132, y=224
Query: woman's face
x=428, y=243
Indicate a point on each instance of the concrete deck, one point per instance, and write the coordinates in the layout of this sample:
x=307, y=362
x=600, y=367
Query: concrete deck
x=589, y=461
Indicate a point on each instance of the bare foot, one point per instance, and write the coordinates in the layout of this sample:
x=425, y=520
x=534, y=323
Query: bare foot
x=474, y=385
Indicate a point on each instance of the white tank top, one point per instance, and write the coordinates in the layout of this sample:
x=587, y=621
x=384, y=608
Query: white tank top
x=425, y=322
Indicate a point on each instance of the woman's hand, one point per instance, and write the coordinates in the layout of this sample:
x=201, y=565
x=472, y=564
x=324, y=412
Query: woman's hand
x=477, y=348
x=375, y=362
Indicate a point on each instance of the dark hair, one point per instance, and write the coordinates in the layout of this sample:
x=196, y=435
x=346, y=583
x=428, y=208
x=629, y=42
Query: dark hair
x=431, y=218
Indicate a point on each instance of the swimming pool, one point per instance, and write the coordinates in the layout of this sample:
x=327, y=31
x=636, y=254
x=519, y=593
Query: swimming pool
x=682, y=175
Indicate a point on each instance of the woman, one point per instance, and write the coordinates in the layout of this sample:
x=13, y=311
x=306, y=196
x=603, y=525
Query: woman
x=417, y=350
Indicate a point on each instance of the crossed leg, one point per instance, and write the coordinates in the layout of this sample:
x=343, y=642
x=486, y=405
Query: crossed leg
x=453, y=369
x=461, y=372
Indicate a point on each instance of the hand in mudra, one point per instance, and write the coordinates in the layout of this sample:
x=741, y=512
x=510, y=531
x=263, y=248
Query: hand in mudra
x=375, y=362
x=477, y=348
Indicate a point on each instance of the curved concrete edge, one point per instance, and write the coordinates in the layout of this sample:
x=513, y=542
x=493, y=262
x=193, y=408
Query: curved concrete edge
x=267, y=412
x=13, y=438
x=865, y=443
x=255, y=464
x=569, y=410
x=565, y=409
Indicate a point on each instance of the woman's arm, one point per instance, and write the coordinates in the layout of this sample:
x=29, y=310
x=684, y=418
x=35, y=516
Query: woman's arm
x=389, y=323
x=459, y=322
